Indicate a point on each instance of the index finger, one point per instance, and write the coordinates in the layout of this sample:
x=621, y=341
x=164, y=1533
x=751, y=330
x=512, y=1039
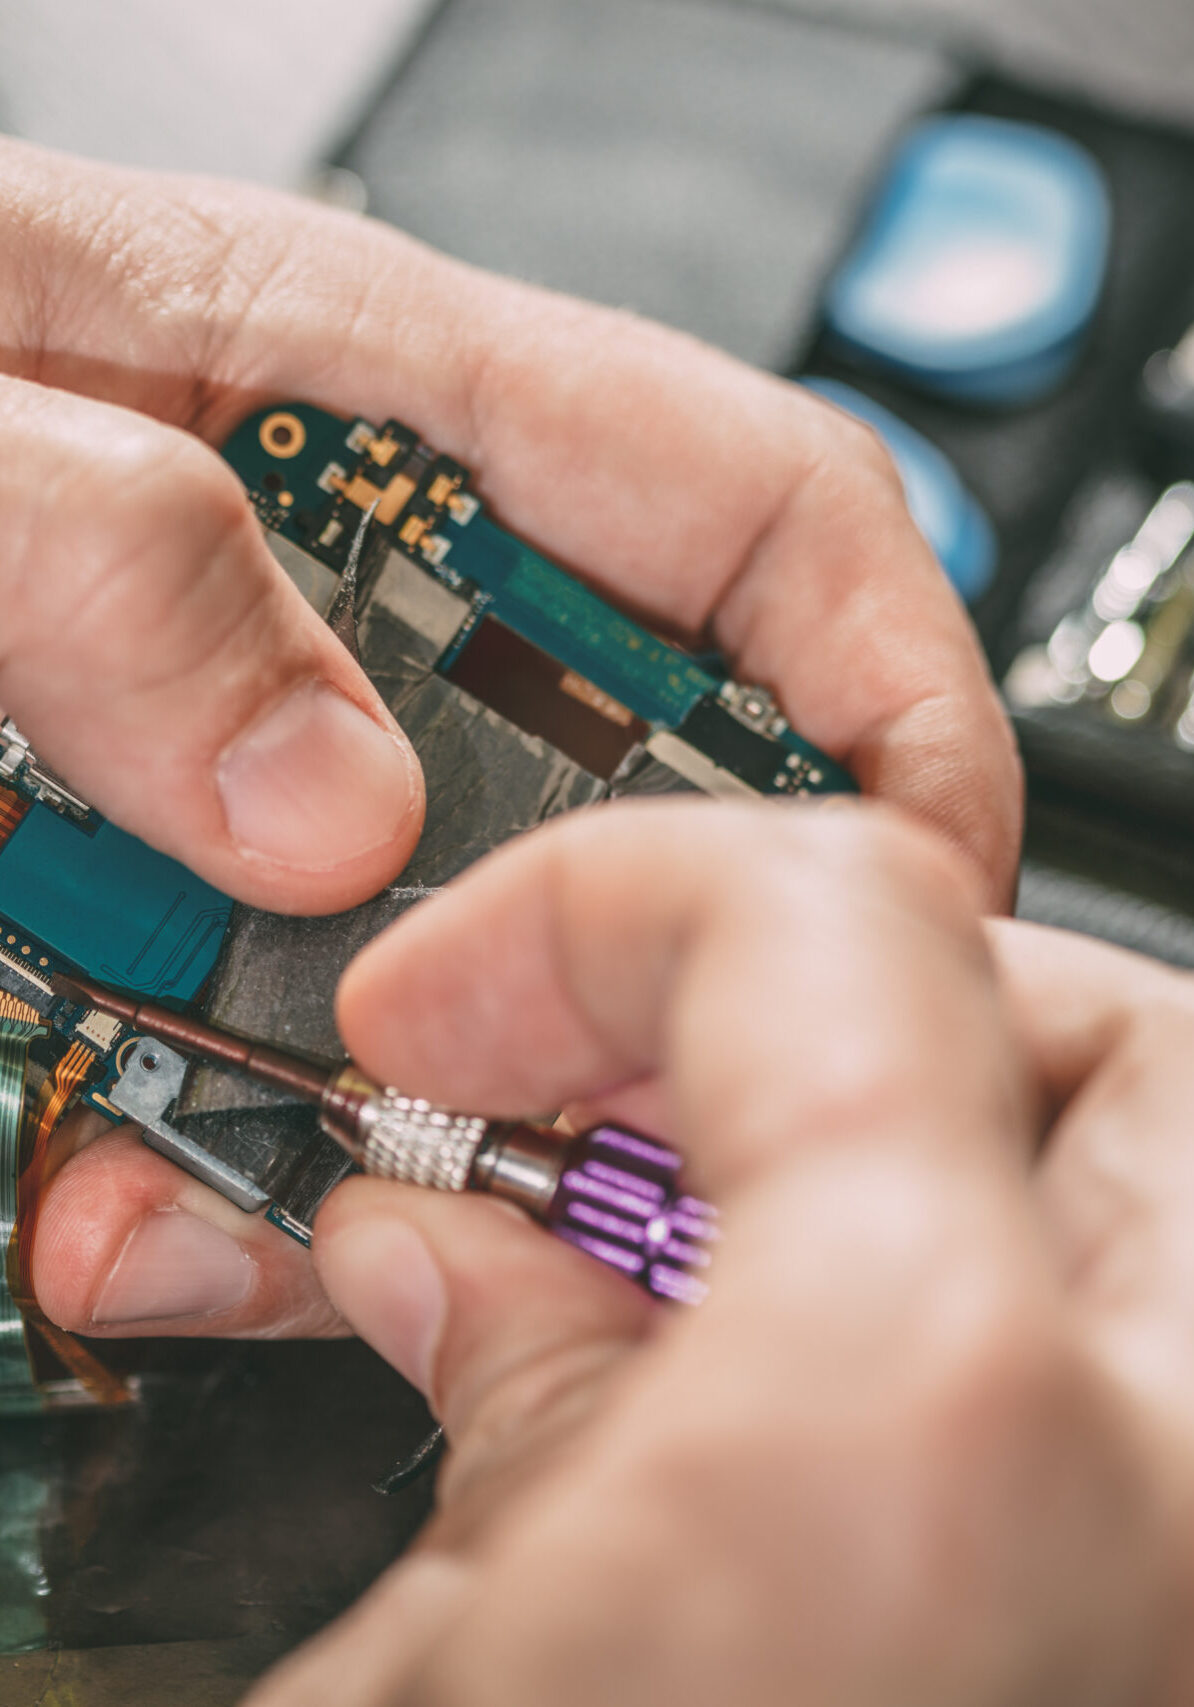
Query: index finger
x=642, y=941
x=713, y=498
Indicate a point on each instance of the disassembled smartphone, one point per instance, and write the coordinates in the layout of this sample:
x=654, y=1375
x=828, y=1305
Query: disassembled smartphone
x=524, y=693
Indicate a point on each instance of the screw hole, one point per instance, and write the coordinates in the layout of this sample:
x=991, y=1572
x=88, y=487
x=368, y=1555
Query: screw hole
x=149, y=1062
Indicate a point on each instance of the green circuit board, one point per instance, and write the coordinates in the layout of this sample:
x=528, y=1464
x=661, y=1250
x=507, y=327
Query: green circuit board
x=530, y=636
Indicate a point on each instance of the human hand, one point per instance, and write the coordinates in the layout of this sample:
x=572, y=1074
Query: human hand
x=148, y=633
x=149, y=637
x=929, y=1440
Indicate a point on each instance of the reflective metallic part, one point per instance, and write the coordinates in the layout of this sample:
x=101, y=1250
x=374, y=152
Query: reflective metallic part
x=297, y=1229
x=99, y=1030
x=149, y=1084
x=406, y=1139
x=1100, y=643
x=24, y=981
x=1183, y=729
x=17, y=758
x=753, y=706
x=424, y=604
x=1166, y=636
x=695, y=767
x=523, y=1166
x=342, y=615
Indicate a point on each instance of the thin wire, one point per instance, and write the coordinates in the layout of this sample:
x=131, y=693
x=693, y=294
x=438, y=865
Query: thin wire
x=342, y=617
x=414, y=1465
x=104, y=1387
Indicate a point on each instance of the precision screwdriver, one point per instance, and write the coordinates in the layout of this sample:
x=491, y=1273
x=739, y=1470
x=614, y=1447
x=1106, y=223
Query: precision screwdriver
x=613, y=1193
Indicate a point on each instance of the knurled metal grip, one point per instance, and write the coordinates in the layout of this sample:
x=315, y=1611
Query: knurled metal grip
x=407, y=1139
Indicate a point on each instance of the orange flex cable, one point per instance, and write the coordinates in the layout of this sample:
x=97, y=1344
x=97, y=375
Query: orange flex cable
x=13, y=808
x=56, y=1097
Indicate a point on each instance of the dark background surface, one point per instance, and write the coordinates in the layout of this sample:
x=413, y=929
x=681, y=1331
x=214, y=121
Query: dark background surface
x=223, y=1518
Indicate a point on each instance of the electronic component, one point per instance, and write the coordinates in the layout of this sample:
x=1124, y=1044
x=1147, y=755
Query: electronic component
x=96, y=896
x=19, y=763
x=523, y=692
x=585, y=676
x=613, y=1194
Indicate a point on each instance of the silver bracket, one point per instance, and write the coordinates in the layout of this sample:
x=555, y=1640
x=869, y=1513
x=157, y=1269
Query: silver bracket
x=17, y=758
x=151, y=1080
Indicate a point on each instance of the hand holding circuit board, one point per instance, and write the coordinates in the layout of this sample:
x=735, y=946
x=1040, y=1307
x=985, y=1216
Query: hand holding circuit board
x=161, y=661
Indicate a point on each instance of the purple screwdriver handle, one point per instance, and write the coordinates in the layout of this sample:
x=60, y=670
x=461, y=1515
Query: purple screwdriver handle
x=613, y=1194
x=618, y=1199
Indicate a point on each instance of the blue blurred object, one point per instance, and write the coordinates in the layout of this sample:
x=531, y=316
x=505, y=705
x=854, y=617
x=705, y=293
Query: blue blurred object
x=953, y=522
x=981, y=263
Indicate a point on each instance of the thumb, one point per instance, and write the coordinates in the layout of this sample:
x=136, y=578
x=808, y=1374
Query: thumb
x=156, y=655
x=513, y=1336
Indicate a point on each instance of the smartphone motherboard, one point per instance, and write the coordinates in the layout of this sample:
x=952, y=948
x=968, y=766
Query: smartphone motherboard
x=524, y=693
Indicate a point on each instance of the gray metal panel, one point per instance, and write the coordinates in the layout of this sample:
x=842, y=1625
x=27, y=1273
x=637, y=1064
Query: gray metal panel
x=701, y=164
x=1134, y=54
x=486, y=782
x=251, y=88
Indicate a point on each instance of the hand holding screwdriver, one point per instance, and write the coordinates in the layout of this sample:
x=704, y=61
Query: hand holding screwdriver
x=610, y=1192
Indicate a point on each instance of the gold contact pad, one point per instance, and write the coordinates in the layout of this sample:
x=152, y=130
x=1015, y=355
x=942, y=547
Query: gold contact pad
x=441, y=489
x=391, y=499
x=383, y=450
x=282, y=434
x=588, y=693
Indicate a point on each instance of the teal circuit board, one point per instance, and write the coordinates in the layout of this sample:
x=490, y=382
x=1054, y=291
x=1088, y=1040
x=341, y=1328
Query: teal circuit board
x=533, y=642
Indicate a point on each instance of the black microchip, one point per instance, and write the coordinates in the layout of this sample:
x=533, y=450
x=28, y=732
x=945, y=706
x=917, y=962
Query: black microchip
x=543, y=697
x=751, y=754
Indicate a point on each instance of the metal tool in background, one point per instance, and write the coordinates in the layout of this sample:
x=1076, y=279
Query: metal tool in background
x=1123, y=647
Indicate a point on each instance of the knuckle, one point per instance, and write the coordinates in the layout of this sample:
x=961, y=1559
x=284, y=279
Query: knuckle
x=167, y=479
x=216, y=250
x=994, y=1431
x=997, y=1382
x=870, y=457
x=862, y=847
x=854, y=457
x=143, y=491
x=1161, y=1027
x=1152, y=1047
x=180, y=576
x=524, y=1415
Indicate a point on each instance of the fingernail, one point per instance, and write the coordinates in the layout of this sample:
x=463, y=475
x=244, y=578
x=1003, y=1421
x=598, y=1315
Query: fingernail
x=385, y=1282
x=316, y=783
x=174, y=1265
